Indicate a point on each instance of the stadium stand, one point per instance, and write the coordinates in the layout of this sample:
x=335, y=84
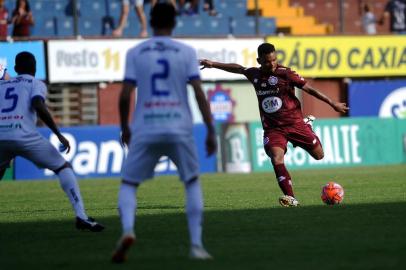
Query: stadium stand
x=73, y=105
x=327, y=12
x=290, y=19
x=54, y=19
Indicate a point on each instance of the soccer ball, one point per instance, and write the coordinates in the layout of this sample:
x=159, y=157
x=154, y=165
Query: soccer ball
x=332, y=193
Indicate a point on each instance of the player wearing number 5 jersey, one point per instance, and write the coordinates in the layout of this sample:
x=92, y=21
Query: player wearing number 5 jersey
x=21, y=100
x=280, y=112
x=160, y=69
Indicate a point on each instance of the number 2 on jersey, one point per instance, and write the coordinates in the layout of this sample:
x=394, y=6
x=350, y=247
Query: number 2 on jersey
x=160, y=76
x=10, y=96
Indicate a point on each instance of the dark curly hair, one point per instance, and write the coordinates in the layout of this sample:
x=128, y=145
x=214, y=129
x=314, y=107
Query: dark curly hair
x=163, y=15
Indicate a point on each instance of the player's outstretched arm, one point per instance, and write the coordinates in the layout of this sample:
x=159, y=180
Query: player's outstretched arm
x=337, y=106
x=124, y=106
x=211, y=143
x=233, y=68
x=39, y=106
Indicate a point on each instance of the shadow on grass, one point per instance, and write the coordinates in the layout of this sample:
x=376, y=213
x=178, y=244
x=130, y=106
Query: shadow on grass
x=344, y=237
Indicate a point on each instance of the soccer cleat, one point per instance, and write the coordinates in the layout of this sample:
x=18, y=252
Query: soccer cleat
x=288, y=201
x=199, y=253
x=89, y=224
x=123, y=245
x=309, y=120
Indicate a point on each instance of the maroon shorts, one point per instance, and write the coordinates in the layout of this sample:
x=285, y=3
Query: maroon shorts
x=299, y=134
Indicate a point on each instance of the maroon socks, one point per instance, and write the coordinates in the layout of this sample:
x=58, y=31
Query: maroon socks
x=284, y=179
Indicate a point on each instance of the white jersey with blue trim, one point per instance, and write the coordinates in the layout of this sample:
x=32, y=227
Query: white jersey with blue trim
x=17, y=118
x=161, y=68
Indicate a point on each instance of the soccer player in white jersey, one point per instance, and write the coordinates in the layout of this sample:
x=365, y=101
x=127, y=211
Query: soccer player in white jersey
x=21, y=100
x=160, y=69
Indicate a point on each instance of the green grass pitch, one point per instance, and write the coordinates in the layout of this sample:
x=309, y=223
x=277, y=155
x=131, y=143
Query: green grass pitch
x=244, y=227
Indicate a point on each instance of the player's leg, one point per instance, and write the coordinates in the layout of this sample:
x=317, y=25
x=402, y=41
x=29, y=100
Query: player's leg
x=275, y=142
x=302, y=135
x=2, y=172
x=194, y=212
x=127, y=206
x=138, y=166
x=44, y=155
x=183, y=153
x=282, y=175
x=6, y=156
x=125, y=10
x=317, y=152
x=139, y=9
x=69, y=185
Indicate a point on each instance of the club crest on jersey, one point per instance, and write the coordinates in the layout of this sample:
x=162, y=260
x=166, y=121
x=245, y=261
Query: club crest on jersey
x=273, y=80
x=271, y=104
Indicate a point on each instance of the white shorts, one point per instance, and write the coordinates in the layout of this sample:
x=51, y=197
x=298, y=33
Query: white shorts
x=38, y=150
x=144, y=155
x=137, y=3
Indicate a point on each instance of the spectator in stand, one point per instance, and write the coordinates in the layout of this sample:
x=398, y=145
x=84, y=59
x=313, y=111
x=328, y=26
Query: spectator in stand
x=22, y=19
x=189, y=7
x=368, y=20
x=208, y=6
x=395, y=11
x=3, y=20
x=125, y=9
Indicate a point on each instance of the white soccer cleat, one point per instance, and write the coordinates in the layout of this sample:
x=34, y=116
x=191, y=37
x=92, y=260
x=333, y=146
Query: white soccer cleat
x=199, y=253
x=123, y=245
x=288, y=201
x=309, y=120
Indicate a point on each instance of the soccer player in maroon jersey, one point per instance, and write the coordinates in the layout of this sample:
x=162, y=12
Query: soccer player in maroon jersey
x=280, y=111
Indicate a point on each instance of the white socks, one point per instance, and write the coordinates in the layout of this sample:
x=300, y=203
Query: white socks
x=127, y=206
x=68, y=182
x=194, y=212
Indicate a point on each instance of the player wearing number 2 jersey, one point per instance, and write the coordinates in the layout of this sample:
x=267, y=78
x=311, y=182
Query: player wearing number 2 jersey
x=21, y=100
x=160, y=69
x=280, y=111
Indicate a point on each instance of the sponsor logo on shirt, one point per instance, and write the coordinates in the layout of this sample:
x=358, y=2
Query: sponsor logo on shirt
x=267, y=92
x=161, y=117
x=156, y=104
x=10, y=126
x=9, y=117
x=271, y=104
x=273, y=80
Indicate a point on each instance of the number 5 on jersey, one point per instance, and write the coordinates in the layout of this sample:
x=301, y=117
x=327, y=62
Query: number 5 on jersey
x=10, y=96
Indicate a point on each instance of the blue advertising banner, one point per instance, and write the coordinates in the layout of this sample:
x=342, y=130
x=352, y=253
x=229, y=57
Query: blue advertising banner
x=8, y=51
x=383, y=98
x=97, y=152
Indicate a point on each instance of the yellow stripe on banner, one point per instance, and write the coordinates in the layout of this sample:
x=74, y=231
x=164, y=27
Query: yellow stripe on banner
x=358, y=56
